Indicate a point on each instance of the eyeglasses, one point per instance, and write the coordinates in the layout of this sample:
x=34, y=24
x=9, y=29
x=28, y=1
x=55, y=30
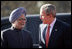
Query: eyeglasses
x=22, y=19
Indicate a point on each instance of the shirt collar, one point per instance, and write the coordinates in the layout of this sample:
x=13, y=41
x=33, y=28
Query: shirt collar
x=52, y=24
x=15, y=28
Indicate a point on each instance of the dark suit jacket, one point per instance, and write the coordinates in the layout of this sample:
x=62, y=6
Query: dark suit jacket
x=60, y=36
x=14, y=38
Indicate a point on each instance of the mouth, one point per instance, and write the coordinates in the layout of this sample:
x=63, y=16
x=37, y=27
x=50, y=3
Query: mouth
x=22, y=24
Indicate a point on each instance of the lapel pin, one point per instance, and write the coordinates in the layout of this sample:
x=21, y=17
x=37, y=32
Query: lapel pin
x=55, y=29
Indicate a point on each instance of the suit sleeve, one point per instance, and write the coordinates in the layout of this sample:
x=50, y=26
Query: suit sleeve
x=67, y=37
x=3, y=40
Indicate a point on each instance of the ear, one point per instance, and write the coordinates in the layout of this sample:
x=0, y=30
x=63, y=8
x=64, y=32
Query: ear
x=54, y=12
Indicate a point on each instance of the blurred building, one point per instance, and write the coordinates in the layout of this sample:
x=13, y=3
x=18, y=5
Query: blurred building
x=33, y=7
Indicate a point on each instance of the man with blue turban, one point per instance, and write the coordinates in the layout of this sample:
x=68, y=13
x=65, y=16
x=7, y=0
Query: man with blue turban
x=16, y=37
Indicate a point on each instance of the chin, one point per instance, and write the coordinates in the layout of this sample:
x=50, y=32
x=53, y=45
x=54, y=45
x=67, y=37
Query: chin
x=23, y=26
x=45, y=22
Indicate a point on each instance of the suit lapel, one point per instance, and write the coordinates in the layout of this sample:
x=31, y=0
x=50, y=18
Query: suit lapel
x=53, y=33
x=56, y=32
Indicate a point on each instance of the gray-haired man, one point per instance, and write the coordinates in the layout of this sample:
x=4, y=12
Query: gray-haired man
x=53, y=32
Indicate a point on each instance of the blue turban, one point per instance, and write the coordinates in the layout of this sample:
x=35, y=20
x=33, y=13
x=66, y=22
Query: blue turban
x=15, y=14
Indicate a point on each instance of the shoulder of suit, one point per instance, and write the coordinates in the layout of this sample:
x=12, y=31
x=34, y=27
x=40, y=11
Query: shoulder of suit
x=64, y=24
x=26, y=31
x=6, y=30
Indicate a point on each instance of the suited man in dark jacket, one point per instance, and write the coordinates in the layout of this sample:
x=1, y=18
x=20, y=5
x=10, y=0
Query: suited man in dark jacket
x=16, y=37
x=54, y=33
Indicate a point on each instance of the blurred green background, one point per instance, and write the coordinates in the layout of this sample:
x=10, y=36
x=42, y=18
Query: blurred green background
x=33, y=7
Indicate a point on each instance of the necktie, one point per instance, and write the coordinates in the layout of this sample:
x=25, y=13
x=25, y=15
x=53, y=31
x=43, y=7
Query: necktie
x=47, y=36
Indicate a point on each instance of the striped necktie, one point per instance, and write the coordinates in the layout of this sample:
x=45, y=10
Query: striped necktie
x=47, y=36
